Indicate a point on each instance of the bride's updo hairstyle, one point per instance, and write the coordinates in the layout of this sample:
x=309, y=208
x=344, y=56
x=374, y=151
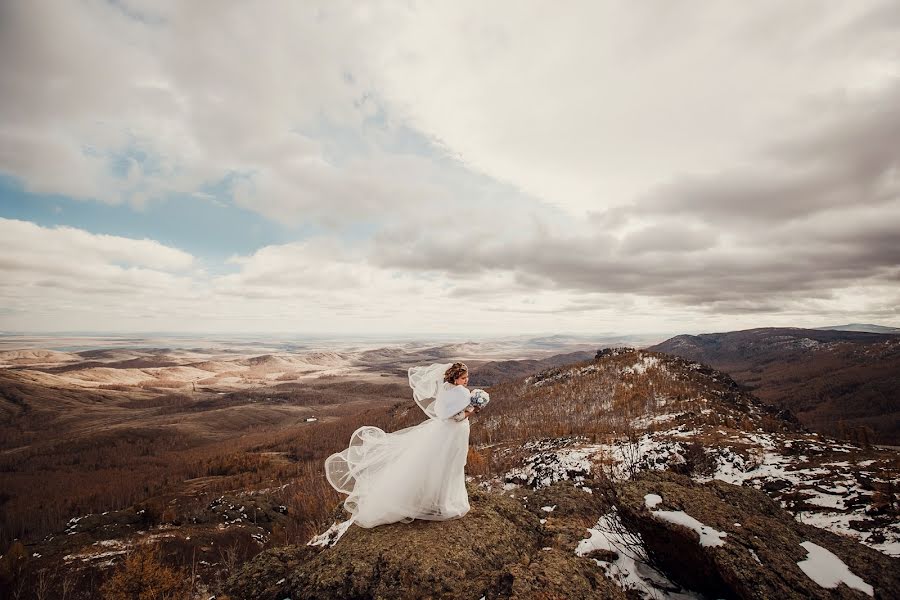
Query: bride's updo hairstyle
x=455, y=371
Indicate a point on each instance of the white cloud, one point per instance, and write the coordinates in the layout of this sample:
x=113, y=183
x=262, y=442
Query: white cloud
x=589, y=107
x=736, y=161
x=64, y=248
x=198, y=91
x=67, y=279
x=584, y=108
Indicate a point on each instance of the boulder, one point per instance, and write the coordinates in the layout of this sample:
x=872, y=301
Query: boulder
x=760, y=543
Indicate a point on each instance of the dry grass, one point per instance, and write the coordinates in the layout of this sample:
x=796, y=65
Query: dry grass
x=106, y=450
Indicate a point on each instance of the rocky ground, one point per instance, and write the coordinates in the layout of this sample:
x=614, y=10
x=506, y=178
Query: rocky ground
x=659, y=535
x=725, y=500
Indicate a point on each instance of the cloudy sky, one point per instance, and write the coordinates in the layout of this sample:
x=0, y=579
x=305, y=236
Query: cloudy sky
x=441, y=167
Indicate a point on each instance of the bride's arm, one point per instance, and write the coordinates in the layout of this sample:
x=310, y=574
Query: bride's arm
x=464, y=414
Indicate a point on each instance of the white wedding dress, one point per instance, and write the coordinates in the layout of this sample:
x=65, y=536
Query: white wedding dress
x=413, y=473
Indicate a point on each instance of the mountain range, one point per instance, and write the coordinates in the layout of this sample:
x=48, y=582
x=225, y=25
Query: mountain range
x=864, y=327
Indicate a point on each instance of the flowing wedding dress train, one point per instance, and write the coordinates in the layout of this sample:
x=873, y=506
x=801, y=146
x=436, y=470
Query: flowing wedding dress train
x=413, y=473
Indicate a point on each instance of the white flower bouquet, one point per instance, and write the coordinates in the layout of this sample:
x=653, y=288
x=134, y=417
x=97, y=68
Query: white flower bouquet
x=479, y=399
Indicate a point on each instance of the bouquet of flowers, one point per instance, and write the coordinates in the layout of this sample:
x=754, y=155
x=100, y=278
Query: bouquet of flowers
x=479, y=399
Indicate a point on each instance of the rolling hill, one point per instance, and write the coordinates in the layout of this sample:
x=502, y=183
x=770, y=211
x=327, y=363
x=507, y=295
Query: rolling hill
x=844, y=383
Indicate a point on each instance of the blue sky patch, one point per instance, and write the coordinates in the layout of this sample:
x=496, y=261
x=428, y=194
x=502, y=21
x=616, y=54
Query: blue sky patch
x=206, y=224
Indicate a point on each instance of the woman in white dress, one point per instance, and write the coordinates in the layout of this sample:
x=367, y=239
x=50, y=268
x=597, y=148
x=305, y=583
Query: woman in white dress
x=413, y=473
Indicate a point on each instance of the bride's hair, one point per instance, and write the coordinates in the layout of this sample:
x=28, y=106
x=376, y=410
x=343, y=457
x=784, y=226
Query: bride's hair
x=455, y=371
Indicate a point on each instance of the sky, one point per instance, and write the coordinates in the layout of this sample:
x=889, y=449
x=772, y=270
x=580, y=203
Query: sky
x=494, y=168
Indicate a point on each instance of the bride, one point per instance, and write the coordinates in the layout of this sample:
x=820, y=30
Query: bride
x=413, y=473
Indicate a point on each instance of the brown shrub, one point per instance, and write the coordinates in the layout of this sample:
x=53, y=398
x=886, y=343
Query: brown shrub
x=12, y=565
x=143, y=577
x=476, y=463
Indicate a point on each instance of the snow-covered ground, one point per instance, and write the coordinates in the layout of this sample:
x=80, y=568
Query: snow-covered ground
x=833, y=494
x=797, y=470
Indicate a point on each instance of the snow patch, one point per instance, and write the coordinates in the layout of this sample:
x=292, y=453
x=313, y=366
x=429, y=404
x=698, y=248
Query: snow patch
x=708, y=535
x=640, y=367
x=652, y=500
x=549, y=466
x=828, y=570
x=331, y=536
x=629, y=569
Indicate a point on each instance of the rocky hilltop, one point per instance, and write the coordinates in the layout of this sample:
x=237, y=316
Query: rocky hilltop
x=632, y=475
x=659, y=535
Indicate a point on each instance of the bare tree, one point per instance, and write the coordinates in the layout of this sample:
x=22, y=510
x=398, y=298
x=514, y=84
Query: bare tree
x=230, y=557
x=67, y=585
x=42, y=583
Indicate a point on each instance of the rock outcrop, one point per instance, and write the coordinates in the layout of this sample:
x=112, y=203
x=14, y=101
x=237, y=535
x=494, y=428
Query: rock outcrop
x=760, y=543
x=522, y=543
x=499, y=550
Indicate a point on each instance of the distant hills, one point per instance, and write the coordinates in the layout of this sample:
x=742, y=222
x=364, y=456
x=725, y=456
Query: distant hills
x=864, y=327
x=497, y=371
x=840, y=382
